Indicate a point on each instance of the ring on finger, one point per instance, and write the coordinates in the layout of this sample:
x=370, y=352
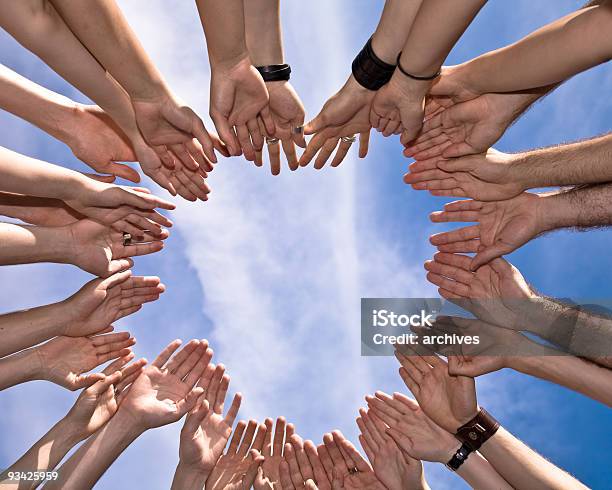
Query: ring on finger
x=127, y=239
x=272, y=141
x=349, y=139
x=298, y=130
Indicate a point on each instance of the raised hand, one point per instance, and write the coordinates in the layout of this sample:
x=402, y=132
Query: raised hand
x=101, y=302
x=239, y=101
x=345, y=114
x=98, y=403
x=486, y=177
x=63, y=360
x=165, y=390
x=411, y=429
x=237, y=468
x=103, y=251
x=503, y=227
x=493, y=293
x=394, y=467
x=349, y=469
x=268, y=474
x=296, y=471
x=450, y=401
x=287, y=112
x=206, y=430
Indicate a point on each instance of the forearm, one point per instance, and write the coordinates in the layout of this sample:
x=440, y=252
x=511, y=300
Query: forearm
x=582, y=162
x=393, y=29
x=46, y=34
x=522, y=467
x=20, y=244
x=102, y=28
x=23, y=329
x=572, y=372
x=224, y=28
x=25, y=175
x=36, y=210
x=19, y=368
x=87, y=465
x=186, y=478
x=478, y=473
x=263, y=32
x=437, y=27
x=49, y=111
x=583, y=37
x=45, y=455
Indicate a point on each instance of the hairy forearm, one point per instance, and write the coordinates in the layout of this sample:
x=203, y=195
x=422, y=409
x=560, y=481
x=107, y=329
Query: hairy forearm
x=581, y=162
x=263, y=32
x=186, y=478
x=22, y=329
x=478, y=473
x=393, y=28
x=20, y=244
x=46, y=34
x=87, y=465
x=583, y=38
x=25, y=175
x=45, y=455
x=572, y=372
x=436, y=28
x=522, y=467
x=224, y=28
x=102, y=28
x=37, y=210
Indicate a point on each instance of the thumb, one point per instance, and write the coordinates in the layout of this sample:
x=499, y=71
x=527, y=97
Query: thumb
x=183, y=406
x=487, y=254
x=317, y=124
x=458, y=150
x=85, y=381
x=454, y=164
x=107, y=179
x=251, y=473
x=310, y=485
x=124, y=171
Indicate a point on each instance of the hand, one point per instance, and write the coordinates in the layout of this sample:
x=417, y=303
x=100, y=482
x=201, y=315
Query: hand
x=393, y=466
x=347, y=113
x=466, y=128
x=187, y=183
x=287, y=112
x=63, y=360
x=103, y=301
x=498, y=348
x=400, y=106
x=295, y=469
x=165, y=390
x=169, y=125
x=453, y=84
x=503, y=227
x=101, y=251
x=450, y=401
x=98, y=403
x=123, y=208
x=268, y=474
x=493, y=293
x=206, y=430
x=486, y=177
x=349, y=470
x=237, y=468
x=100, y=143
x=411, y=429
x=239, y=99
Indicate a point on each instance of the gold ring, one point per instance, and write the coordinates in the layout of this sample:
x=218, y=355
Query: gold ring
x=272, y=141
x=349, y=139
x=127, y=239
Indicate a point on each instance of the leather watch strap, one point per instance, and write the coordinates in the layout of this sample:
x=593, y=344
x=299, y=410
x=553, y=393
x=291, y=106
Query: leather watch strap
x=478, y=430
x=459, y=457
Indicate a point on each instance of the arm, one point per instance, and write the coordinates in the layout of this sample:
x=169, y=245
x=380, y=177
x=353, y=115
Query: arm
x=238, y=95
x=583, y=37
x=31, y=244
x=431, y=38
x=36, y=210
x=265, y=46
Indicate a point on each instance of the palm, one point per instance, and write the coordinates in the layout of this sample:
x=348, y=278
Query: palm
x=286, y=108
x=155, y=125
x=271, y=473
x=362, y=480
x=66, y=358
x=229, y=473
x=92, y=309
x=205, y=447
x=349, y=109
x=153, y=397
x=94, y=247
x=393, y=468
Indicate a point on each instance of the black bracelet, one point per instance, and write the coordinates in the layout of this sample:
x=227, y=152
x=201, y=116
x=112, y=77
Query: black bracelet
x=275, y=73
x=415, y=77
x=459, y=457
x=369, y=70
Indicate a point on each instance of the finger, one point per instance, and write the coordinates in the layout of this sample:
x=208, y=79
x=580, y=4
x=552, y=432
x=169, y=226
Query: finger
x=118, y=364
x=279, y=436
x=303, y=462
x=343, y=149
x=460, y=235
x=221, y=393
x=196, y=373
x=290, y=154
x=326, y=460
x=468, y=246
x=245, y=142
x=165, y=354
x=205, y=145
x=186, y=404
x=367, y=449
x=247, y=440
x=487, y=254
x=334, y=452
x=226, y=133
x=182, y=154
x=326, y=151
x=275, y=162
x=319, y=472
x=313, y=147
x=190, y=364
x=233, y=410
x=454, y=216
x=257, y=138
x=285, y=476
x=294, y=469
x=236, y=437
x=454, y=273
x=351, y=452
x=267, y=447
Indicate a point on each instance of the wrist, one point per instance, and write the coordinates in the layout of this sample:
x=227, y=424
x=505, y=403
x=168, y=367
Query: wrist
x=552, y=212
x=190, y=475
x=449, y=446
x=68, y=434
x=128, y=424
x=231, y=62
x=411, y=89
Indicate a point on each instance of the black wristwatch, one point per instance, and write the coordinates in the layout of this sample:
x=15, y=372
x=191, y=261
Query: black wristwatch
x=459, y=457
x=275, y=73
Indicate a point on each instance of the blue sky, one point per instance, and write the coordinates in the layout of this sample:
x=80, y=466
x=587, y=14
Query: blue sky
x=271, y=270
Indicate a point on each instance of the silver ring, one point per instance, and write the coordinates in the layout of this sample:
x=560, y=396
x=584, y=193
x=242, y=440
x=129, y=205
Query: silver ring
x=298, y=130
x=127, y=239
x=349, y=139
x=352, y=471
x=272, y=141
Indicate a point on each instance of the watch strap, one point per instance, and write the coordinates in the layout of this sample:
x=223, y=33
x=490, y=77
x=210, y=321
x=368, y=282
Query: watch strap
x=459, y=457
x=275, y=73
x=478, y=430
